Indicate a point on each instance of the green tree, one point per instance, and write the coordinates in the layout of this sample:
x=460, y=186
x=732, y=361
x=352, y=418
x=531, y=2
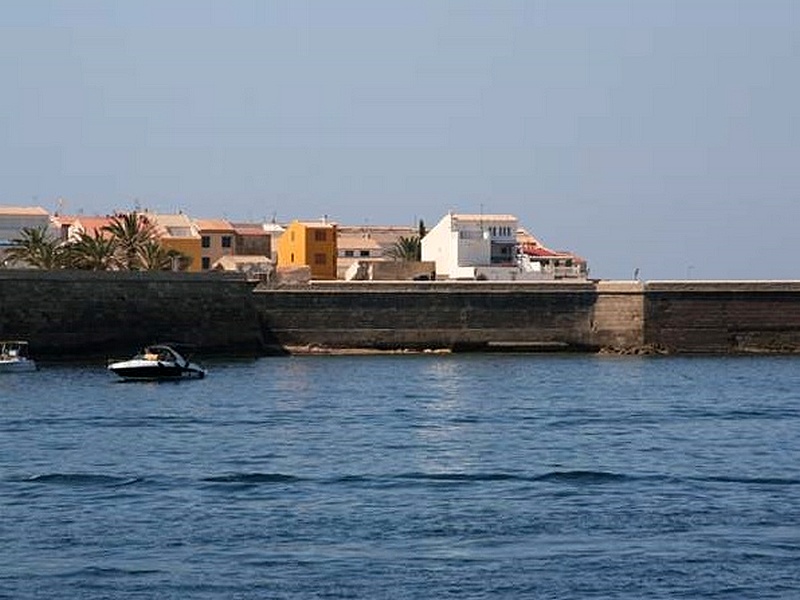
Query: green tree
x=133, y=233
x=36, y=247
x=154, y=257
x=405, y=249
x=96, y=252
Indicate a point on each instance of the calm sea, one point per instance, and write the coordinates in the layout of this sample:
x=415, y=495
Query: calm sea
x=463, y=476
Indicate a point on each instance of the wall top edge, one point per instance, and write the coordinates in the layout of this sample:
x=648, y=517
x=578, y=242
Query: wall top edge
x=64, y=275
x=754, y=285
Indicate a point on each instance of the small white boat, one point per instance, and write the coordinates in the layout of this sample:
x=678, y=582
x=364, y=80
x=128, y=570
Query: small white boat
x=14, y=357
x=157, y=362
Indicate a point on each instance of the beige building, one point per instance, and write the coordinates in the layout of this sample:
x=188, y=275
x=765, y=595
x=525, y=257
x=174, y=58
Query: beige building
x=366, y=243
x=216, y=240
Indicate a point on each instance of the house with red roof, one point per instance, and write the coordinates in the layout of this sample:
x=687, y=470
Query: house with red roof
x=84, y=224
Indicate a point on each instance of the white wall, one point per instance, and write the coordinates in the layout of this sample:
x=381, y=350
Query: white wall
x=11, y=225
x=458, y=244
x=438, y=247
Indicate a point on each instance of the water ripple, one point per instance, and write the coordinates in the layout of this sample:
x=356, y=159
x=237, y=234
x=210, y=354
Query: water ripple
x=82, y=479
x=252, y=478
x=590, y=477
x=459, y=477
x=749, y=480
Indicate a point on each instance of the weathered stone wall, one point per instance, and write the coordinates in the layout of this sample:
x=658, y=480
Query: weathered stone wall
x=618, y=319
x=77, y=313
x=431, y=315
x=65, y=313
x=723, y=317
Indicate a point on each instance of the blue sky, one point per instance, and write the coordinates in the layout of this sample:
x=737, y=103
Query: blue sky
x=658, y=135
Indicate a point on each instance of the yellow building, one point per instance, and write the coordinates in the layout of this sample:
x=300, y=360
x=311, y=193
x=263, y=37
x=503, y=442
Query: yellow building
x=177, y=232
x=312, y=244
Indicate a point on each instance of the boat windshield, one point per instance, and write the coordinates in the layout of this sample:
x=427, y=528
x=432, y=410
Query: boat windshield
x=14, y=349
x=160, y=353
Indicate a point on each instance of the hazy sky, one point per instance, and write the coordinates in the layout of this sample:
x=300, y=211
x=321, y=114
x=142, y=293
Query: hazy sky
x=652, y=134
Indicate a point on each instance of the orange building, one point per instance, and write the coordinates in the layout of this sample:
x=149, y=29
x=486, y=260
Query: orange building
x=312, y=244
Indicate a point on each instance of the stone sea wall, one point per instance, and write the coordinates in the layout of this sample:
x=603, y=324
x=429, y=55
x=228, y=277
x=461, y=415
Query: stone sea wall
x=731, y=317
x=70, y=314
x=67, y=313
x=432, y=315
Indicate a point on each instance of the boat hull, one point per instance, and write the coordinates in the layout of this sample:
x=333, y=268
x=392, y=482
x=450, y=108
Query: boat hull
x=146, y=370
x=17, y=366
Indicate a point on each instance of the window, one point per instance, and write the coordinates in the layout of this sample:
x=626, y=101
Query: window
x=349, y=253
x=319, y=259
x=206, y=241
x=363, y=253
x=206, y=263
x=320, y=235
x=226, y=241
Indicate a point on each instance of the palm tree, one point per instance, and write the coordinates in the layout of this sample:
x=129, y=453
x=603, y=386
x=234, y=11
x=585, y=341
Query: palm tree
x=96, y=252
x=132, y=232
x=36, y=247
x=405, y=249
x=154, y=257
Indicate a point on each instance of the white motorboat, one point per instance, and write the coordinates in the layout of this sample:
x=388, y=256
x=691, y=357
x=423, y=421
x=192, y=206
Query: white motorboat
x=157, y=362
x=14, y=357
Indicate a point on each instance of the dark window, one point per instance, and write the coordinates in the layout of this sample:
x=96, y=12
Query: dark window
x=206, y=241
x=319, y=235
x=319, y=259
x=363, y=253
x=349, y=253
x=226, y=241
x=206, y=263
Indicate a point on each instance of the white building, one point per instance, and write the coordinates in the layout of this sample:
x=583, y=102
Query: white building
x=13, y=219
x=472, y=246
x=493, y=247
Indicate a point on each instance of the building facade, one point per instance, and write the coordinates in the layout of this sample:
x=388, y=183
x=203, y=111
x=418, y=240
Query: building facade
x=177, y=232
x=250, y=239
x=13, y=219
x=216, y=240
x=460, y=243
x=311, y=244
x=494, y=247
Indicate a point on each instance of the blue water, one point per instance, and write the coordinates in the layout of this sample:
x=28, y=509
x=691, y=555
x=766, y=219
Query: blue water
x=464, y=476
